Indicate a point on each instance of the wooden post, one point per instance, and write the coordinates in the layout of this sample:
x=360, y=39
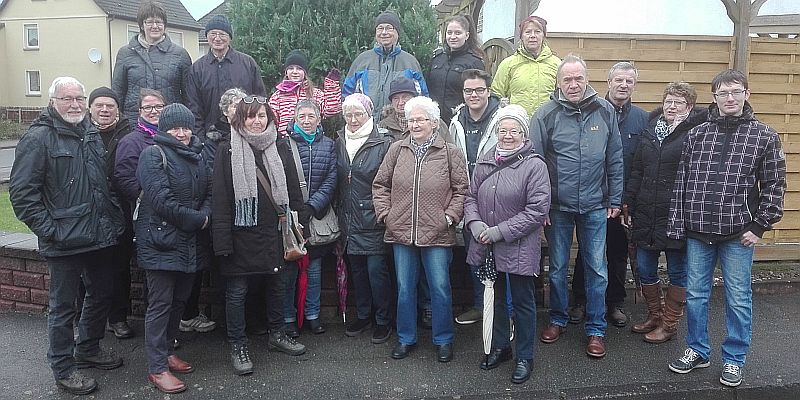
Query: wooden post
x=742, y=12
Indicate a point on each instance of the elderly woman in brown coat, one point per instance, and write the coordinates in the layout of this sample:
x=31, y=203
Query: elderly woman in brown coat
x=419, y=194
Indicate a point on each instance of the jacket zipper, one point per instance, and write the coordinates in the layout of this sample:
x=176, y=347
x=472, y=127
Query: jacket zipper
x=415, y=208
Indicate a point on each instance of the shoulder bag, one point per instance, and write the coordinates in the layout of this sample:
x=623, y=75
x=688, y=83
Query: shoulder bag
x=294, y=246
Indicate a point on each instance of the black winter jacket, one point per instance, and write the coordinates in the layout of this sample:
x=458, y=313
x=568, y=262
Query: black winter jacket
x=361, y=233
x=444, y=79
x=652, y=178
x=111, y=139
x=175, y=204
x=163, y=67
x=249, y=250
x=59, y=187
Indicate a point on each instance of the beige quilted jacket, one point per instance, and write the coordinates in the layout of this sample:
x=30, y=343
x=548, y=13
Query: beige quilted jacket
x=412, y=200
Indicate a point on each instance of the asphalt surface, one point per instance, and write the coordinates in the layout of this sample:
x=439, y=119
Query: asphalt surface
x=339, y=367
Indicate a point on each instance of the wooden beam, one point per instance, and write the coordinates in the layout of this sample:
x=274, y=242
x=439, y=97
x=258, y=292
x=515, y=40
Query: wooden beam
x=732, y=9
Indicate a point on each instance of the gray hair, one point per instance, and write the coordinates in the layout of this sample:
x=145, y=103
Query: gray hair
x=229, y=97
x=308, y=103
x=430, y=107
x=62, y=81
x=571, y=59
x=623, y=66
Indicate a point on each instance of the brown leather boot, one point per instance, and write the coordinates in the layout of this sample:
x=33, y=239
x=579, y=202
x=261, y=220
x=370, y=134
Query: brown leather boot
x=673, y=311
x=653, y=296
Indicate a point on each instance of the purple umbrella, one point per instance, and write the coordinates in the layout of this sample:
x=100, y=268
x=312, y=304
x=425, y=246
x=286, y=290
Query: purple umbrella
x=341, y=279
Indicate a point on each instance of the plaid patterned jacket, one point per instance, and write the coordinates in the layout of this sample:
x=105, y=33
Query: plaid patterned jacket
x=731, y=178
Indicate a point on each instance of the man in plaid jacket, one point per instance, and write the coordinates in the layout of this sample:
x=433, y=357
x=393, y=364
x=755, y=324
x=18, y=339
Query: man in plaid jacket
x=728, y=191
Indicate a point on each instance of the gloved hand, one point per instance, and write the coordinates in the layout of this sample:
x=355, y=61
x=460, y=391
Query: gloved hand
x=305, y=214
x=477, y=227
x=334, y=74
x=491, y=235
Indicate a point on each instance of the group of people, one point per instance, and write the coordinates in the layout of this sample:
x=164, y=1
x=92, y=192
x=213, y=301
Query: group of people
x=197, y=164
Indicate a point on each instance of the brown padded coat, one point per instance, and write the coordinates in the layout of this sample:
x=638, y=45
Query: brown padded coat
x=413, y=200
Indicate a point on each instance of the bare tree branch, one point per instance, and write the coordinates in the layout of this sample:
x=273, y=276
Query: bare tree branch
x=732, y=9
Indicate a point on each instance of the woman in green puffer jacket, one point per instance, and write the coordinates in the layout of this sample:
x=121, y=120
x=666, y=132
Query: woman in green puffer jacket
x=528, y=76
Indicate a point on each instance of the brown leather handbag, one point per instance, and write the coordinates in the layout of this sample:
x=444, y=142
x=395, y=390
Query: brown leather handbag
x=294, y=245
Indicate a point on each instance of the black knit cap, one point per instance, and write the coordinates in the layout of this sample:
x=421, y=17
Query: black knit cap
x=402, y=85
x=219, y=22
x=389, y=17
x=103, y=91
x=175, y=115
x=296, y=57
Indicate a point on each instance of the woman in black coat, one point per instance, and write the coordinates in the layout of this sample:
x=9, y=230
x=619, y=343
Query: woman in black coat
x=246, y=218
x=360, y=150
x=461, y=52
x=646, y=206
x=171, y=239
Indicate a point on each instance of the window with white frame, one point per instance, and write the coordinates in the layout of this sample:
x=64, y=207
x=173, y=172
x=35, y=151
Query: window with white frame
x=133, y=30
x=176, y=37
x=31, y=36
x=34, y=83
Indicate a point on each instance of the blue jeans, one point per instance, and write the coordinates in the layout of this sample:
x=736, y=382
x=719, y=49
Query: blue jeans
x=736, y=261
x=313, y=289
x=370, y=276
x=66, y=274
x=435, y=261
x=522, y=290
x=647, y=265
x=591, y=232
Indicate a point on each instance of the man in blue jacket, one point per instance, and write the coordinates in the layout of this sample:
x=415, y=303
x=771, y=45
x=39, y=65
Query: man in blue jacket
x=373, y=70
x=577, y=134
x=59, y=189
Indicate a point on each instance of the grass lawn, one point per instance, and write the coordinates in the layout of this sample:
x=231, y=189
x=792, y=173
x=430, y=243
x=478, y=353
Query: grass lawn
x=8, y=221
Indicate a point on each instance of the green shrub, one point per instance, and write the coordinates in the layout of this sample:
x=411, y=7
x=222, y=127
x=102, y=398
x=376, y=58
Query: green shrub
x=10, y=130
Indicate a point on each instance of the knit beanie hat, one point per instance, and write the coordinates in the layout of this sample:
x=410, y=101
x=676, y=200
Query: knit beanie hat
x=541, y=21
x=296, y=57
x=358, y=99
x=175, y=115
x=402, y=85
x=219, y=22
x=512, y=111
x=389, y=17
x=103, y=91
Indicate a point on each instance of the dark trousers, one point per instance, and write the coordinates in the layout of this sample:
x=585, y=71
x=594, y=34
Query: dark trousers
x=617, y=256
x=238, y=300
x=523, y=291
x=372, y=286
x=193, y=302
x=166, y=300
x=66, y=274
x=120, y=265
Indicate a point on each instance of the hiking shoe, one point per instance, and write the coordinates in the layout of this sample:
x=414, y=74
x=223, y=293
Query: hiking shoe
x=469, y=317
x=280, y=342
x=356, y=327
x=381, y=334
x=77, y=383
x=290, y=329
x=200, y=323
x=426, y=319
x=731, y=375
x=240, y=359
x=688, y=362
x=102, y=360
x=576, y=313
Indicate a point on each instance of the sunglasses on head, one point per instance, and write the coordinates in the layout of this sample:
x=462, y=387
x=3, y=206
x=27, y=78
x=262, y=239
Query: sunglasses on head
x=251, y=99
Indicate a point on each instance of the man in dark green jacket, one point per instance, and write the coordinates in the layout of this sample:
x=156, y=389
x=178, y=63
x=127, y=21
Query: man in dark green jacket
x=59, y=190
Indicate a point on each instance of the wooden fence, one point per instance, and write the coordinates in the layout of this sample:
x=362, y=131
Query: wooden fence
x=774, y=76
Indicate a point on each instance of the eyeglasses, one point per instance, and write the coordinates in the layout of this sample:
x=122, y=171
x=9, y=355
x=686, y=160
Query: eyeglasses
x=156, y=107
x=221, y=35
x=735, y=93
x=154, y=23
x=382, y=28
x=513, y=132
x=356, y=115
x=676, y=103
x=251, y=99
x=470, y=91
x=103, y=106
x=79, y=99
x=417, y=121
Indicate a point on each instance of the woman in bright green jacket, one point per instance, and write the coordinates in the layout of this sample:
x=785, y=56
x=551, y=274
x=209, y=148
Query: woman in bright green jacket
x=528, y=76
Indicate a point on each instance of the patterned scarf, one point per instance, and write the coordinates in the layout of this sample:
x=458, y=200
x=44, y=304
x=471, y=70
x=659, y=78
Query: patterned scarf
x=421, y=149
x=501, y=155
x=402, y=122
x=662, y=129
x=243, y=171
x=147, y=127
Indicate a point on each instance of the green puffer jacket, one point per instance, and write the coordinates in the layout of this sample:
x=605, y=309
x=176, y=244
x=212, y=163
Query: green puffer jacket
x=525, y=80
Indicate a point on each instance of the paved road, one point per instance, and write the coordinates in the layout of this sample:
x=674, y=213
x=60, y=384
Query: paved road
x=6, y=161
x=338, y=367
